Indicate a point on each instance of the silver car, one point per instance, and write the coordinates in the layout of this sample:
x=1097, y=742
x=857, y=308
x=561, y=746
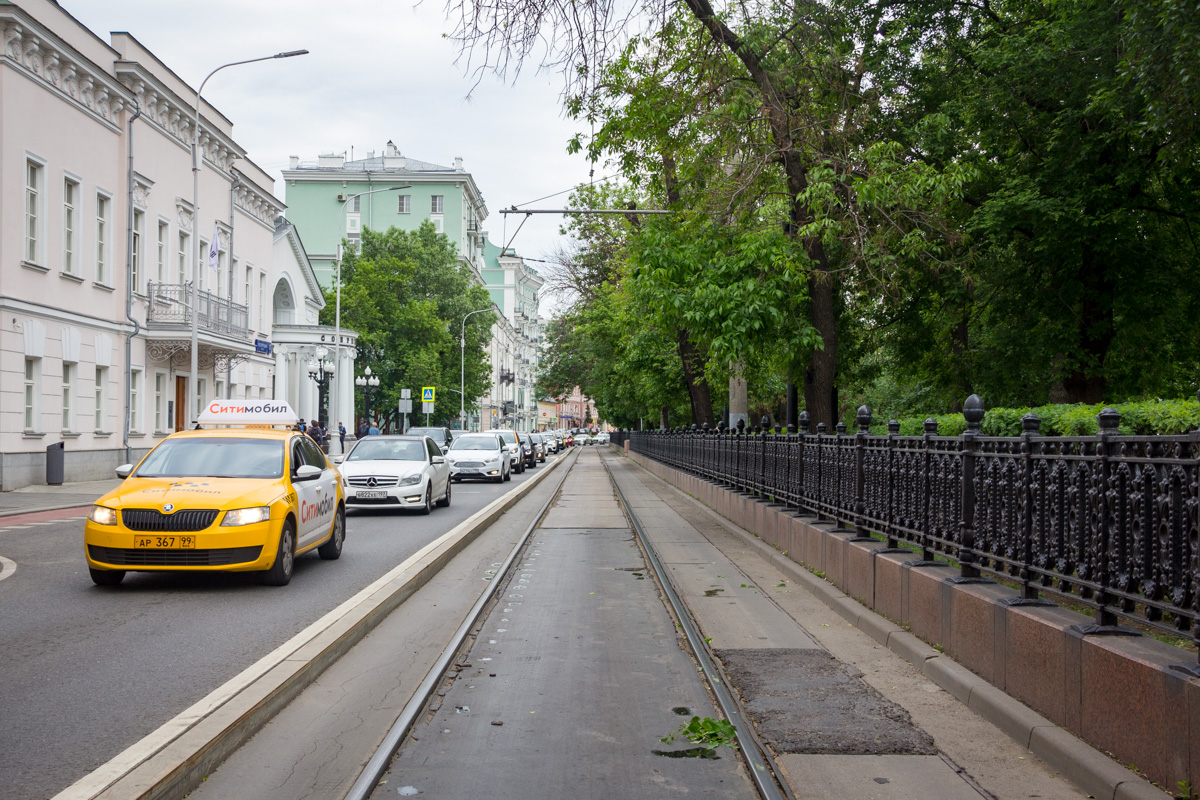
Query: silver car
x=395, y=472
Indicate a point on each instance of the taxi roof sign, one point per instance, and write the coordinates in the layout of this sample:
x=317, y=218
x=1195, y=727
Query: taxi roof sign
x=248, y=412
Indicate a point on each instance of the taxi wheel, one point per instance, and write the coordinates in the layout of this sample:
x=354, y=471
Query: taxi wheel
x=445, y=501
x=280, y=572
x=333, y=548
x=107, y=577
x=425, y=509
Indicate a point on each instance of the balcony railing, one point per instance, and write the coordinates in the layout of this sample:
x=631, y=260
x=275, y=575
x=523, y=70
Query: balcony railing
x=171, y=308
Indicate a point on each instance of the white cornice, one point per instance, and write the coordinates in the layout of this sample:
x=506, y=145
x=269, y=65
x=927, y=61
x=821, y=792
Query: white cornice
x=257, y=204
x=36, y=52
x=310, y=276
x=169, y=113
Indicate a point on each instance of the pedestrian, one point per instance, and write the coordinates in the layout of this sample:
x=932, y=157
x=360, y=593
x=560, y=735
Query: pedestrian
x=362, y=429
x=342, y=436
x=303, y=427
x=372, y=431
x=314, y=431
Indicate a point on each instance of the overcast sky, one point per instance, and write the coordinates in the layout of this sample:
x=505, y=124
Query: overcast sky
x=377, y=70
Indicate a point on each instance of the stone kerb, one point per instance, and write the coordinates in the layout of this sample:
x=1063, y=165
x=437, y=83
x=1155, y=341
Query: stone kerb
x=1119, y=693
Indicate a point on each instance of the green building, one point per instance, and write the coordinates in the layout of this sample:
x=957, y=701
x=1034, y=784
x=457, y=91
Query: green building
x=334, y=198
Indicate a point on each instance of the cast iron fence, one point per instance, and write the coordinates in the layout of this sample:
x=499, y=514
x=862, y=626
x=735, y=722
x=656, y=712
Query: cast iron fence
x=1107, y=521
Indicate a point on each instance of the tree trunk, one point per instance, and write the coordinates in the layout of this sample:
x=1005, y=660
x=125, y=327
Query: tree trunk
x=1086, y=382
x=693, y=375
x=822, y=366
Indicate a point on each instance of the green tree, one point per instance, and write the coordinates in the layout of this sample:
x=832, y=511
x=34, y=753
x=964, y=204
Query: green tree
x=406, y=293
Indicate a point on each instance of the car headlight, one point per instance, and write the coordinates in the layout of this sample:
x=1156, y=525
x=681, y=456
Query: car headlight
x=411, y=480
x=246, y=516
x=103, y=516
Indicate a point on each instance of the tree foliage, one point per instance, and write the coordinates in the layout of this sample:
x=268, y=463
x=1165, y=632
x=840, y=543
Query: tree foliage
x=406, y=293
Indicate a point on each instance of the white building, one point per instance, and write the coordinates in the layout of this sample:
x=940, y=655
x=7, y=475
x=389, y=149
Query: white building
x=99, y=236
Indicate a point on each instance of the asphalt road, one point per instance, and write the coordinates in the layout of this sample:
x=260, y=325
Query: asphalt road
x=86, y=671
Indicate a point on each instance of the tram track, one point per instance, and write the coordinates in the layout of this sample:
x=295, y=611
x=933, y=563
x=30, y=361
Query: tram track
x=756, y=758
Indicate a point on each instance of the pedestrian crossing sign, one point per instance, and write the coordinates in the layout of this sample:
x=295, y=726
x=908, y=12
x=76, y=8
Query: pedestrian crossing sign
x=427, y=394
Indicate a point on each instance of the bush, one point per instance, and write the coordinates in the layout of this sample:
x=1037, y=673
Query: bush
x=1145, y=418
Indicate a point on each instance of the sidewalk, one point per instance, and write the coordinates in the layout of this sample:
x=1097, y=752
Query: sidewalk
x=51, y=498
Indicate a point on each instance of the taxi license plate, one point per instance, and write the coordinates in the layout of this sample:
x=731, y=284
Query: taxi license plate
x=165, y=542
x=369, y=495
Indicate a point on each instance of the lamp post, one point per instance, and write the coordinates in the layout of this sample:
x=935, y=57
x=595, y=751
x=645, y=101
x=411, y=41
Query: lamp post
x=368, y=383
x=321, y=372
x=337, y=315
x=462, y=345
x=197, y=162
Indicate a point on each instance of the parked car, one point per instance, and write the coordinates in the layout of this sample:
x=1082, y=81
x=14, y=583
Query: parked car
x=396, y=472
x=539, y=446
x=528, y=453
x=600, y=438
x=479, y=455
x=441, y=436
x=238, y=499
x=514, y=449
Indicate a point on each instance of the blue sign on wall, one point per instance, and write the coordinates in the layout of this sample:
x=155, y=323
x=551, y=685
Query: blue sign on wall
x=262, y=347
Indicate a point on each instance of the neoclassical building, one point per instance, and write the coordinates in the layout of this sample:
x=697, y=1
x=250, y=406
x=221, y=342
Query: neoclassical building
x=105, y=276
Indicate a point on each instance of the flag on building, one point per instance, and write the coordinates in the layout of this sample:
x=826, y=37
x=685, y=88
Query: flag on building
x=214, y=247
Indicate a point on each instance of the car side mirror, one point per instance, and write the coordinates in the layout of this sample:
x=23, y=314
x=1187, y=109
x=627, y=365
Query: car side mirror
x=124, y=470
x=338, y=459
x=307, y=472
x=439, y=459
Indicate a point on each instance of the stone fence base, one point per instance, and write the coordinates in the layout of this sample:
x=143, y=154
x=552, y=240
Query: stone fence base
x=1119, y=693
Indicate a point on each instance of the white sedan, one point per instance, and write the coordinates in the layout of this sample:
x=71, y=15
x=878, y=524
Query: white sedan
x=479, y=455
x=395, y=472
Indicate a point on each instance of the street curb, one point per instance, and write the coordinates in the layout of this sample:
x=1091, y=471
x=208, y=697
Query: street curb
x=171, y=761
x=1087, y=767
x=16, y=512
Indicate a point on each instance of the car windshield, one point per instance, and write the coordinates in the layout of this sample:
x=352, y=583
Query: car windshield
x=475, y=443
x=377, y=449
x=214, y=457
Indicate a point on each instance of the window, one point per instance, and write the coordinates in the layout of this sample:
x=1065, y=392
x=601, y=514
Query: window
x=201, y=393
x=68, y=375
x=262, y=301
x=102, y=239
x=405, y=204
x=246, y=296
x=33, y=209
x=30, y=393
x=160, y=401
x=439, y=224
x=70, y=226
x=355, y=204
x=163, y=232
x=135, y=398
x=437, y=204
x=136, y=253
x=101, y=381
x=220, y=390
x=183, y=259
x=202, y=269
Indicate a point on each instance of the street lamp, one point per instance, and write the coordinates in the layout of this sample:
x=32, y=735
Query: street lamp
x=462, y=345
x=197, y=162
x=321, y=372
x=368, y=383
x=337, y=317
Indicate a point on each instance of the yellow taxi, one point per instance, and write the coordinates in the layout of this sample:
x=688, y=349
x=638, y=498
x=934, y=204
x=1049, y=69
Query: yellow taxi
x=244, y=492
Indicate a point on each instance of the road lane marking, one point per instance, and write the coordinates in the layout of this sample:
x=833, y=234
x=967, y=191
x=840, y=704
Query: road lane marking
x=7, y=567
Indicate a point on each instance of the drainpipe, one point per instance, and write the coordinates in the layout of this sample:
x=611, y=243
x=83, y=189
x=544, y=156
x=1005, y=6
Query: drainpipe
x=233, y=187
x=137, y=112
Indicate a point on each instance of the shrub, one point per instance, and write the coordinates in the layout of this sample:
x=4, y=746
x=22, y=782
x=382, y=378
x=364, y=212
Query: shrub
x=1143, y=418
